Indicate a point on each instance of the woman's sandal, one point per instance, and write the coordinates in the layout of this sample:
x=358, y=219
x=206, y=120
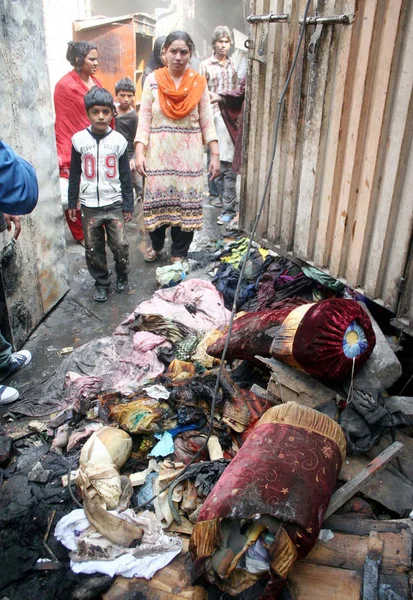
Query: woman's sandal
x=150, y=255
x=176, y=259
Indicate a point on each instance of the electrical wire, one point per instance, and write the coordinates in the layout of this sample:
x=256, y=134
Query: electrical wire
x=183, y=16
x=244, y=261
x=241, y=276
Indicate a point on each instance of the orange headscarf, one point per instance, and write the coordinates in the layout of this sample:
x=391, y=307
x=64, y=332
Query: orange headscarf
x=178, y=103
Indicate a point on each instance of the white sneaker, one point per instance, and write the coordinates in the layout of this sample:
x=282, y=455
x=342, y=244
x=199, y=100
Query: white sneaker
x=19, y=359
x=8, y=394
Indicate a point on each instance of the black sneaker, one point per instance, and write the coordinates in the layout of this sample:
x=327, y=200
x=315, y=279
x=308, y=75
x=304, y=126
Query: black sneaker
x=101, y=294
x=121, y=284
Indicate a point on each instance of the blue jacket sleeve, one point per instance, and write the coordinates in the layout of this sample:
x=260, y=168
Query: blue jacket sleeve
x=19, y=190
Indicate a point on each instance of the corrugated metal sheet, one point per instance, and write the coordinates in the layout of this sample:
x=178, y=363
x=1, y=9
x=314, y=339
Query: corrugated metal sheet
x=341, y=188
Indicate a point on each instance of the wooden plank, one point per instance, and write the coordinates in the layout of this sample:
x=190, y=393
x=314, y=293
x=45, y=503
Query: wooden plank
x=356, y=525
x=277, y=178
x=307, y=202
x=293, y=107
x=350, y=488
x=288, y=384
x=400, y=234
x=381, y=81
x=267, y=117
x=170, y=583
x=254, y=121
x=381, y=487
x=360, y=58
x=334, y=143
x=316, y=582
x=393, y=166
x=348, y=551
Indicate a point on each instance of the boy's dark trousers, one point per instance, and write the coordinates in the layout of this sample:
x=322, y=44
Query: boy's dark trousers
x=98, y=223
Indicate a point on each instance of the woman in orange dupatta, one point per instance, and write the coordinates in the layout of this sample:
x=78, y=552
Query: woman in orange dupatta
x=175, y=123
x=71, y=114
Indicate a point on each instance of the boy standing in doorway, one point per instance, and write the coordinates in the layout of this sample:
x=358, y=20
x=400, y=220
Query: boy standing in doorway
x=100, y=179
x=126, y=122
x=221, y=75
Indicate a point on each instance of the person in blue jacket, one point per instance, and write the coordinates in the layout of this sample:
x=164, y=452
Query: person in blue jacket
x=19, y=192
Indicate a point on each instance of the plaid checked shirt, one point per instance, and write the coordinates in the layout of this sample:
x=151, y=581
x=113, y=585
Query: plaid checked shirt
x=221, y=79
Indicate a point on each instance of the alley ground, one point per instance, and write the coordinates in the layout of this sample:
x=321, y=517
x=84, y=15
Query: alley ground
x=78, y=319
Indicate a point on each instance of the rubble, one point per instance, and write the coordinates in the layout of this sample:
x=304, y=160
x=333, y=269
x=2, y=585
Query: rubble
x=197, y=478
x=383, y=362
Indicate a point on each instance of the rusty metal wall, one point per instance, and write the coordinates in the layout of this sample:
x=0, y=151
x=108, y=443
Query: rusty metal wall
x=35, y=277
x=341, y=188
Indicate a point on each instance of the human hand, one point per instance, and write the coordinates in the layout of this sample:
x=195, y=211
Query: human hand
x=17, y=224
x=214, y=167
x=72, y=214
x=141, y=165
x=132, y=164
x=214, y=97
x=127, y=216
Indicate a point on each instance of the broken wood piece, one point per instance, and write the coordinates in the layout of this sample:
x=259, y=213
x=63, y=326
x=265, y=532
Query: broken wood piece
x=73, y=476
x=173, y=582
x=258, y=390
x=316, y=582
x=372, y=566
x=355, y=525
x=265, y=394
x=138, y=478
x=214, y=448
x=185, y=543
x=185, y=527
x=46, y=536
x=47, y=565
x=287, y=384
x=350, y=488
x=348, y=551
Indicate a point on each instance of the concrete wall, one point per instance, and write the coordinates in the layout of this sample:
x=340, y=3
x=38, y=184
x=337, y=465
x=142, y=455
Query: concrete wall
x=36, y=276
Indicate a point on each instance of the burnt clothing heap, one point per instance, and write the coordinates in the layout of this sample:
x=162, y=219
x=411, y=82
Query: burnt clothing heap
x=154, y=382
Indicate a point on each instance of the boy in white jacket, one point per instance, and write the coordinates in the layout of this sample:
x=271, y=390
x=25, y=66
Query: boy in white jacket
x=100, y=180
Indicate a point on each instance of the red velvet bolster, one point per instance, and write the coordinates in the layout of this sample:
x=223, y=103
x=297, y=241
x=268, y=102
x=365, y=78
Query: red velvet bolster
x=284, y=471
x=318, y=342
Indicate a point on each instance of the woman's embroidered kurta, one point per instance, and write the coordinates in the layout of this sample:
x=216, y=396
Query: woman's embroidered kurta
x=174, y=186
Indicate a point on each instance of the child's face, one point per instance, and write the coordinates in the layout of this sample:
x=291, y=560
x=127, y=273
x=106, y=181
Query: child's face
x=125, y=99
x=100, y=117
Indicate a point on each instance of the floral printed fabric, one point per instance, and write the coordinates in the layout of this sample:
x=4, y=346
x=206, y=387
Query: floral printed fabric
x=174, y=187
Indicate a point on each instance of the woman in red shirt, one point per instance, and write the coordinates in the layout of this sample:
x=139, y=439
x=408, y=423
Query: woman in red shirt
x=71, y=114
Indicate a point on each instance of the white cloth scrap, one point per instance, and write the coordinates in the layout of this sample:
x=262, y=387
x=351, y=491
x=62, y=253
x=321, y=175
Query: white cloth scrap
x=155, y=551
